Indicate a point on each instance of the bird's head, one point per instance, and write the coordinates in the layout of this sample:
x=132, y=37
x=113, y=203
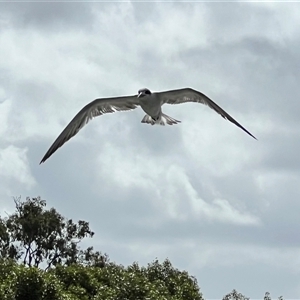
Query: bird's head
x=143, y=92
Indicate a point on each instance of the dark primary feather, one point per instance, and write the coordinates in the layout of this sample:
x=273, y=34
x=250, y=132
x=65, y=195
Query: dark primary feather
x=190, y=95
x=96, y=108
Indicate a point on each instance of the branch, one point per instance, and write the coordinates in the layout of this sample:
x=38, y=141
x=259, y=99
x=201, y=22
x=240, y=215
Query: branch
x=52, y=260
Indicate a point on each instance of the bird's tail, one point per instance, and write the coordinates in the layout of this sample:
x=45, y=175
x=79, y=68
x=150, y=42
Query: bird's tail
x=169, y=120
x=162, y=120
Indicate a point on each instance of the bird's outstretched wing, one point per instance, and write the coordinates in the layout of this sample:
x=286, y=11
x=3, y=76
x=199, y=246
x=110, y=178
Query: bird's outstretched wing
x=96, y=108
x=190, y=95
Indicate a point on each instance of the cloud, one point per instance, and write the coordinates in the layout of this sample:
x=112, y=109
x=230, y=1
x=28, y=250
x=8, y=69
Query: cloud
x=46, y=15
x=15, y=175
x=14, y=166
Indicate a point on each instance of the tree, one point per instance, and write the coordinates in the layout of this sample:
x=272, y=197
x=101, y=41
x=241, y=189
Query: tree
x=35, y=235
x=7, y=248
x=234, y=295
x=40, y=235
x=157, y=281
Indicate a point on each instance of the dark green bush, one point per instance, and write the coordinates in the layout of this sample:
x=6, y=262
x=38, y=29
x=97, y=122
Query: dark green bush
x=157, y=281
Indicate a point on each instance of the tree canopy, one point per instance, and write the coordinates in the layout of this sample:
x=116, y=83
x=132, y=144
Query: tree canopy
x=42, y=236
x=40, y=258
x=54, y=267
x=157, y=281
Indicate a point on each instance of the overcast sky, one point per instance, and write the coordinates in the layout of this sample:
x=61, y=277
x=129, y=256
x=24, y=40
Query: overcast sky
x=204, y=194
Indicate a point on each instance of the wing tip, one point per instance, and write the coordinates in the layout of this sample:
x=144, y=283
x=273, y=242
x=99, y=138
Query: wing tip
x=46, y=156
x=43, y=160
x=250, y=134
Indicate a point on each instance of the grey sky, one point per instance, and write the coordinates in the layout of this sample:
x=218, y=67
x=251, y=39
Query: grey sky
x=203, y=193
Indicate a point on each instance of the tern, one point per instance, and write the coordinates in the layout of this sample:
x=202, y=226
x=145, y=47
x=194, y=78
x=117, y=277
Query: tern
x=151, y=104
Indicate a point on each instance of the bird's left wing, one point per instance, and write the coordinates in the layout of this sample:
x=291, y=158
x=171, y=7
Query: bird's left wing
x=190, y=95
x=96, y=108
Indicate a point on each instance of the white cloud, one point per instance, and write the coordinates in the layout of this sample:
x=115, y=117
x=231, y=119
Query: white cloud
x=219, y=210
x=5, y=111
x=15, y=175
x=14, y=165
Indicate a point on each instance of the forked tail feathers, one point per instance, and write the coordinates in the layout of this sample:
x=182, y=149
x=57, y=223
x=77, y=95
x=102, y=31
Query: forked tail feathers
x=162, y=120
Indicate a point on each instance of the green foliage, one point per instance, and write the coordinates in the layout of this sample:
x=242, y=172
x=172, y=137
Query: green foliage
x=235, y=295
x=157, y=281
x=268, y=297
x=114, y=282
x=40, y=235
x=176, y=282
x=35, y=235
x=18, y=282
x=7, y=248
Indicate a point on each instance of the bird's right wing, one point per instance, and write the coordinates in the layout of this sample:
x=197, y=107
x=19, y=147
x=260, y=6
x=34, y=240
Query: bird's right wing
x=96, y=108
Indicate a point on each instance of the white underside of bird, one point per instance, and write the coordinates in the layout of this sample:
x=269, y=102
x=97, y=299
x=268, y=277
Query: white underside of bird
x=152, y=106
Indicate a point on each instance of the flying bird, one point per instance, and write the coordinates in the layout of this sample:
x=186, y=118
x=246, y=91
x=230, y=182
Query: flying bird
x=151, y=104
